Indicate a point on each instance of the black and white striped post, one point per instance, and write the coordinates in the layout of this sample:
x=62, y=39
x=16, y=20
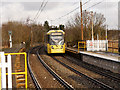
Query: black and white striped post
x=10, y=35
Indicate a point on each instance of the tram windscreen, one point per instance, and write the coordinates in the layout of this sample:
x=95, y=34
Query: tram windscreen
x=56, y=39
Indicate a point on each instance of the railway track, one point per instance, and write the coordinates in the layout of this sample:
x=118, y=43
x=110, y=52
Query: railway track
x=58, y=78
x=98, y=70
x=63, y=82
x=85, y=76
x=37, y=85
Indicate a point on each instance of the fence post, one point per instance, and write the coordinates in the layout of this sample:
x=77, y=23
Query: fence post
x=78, y=47
x=3, y=70
x=106, y=46
x=9, y=72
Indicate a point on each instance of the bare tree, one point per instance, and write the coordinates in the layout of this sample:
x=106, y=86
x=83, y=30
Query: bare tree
x=73, y=27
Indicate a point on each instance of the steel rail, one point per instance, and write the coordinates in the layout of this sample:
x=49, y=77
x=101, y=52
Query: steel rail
x=97, y=70
x=37, y=85
x=81, y=74
x=55, y=75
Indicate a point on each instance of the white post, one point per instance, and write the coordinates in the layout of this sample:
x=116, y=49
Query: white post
x=9, y=72
x=3, y=70
x=10, y=41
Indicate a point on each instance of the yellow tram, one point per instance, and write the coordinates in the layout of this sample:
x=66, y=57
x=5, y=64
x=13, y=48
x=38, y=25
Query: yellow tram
x=55, y=41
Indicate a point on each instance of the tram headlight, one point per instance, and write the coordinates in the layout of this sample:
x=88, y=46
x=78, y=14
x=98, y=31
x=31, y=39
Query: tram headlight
x=52, y=47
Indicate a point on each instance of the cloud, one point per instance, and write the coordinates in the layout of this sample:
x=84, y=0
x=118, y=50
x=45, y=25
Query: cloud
x=36, y=5
x=21, y=10
x=14, y=11
x=40, y=0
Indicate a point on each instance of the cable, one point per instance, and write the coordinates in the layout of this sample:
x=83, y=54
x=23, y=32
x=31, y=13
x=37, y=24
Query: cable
x=72, y=11
x=42, y=9
x=86, y=2
x=94, y=4
x=39, y=9
x=67, y=13
x=78, y=8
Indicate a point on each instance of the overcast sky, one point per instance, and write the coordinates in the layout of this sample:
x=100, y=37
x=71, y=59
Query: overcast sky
x=19, y=10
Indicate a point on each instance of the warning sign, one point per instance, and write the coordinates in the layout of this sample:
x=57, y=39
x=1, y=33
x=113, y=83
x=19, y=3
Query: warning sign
x=91, y=43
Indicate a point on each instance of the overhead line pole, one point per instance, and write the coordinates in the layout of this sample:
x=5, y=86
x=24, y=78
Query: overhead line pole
x=92, y=26
x=81, y=20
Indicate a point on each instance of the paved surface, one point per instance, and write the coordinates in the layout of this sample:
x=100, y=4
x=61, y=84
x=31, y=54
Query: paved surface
x=15, y=49
x=104, y=60
x=108, y=56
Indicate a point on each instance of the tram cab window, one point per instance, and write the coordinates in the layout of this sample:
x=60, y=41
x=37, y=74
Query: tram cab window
x=56, y=39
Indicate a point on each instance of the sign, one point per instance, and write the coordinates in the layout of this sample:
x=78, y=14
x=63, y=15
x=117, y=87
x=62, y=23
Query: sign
x=97, y=45
x=56, y=33
x=91, y=43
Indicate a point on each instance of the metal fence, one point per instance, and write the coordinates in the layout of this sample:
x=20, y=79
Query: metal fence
x=4, y=65
x=113, y=46
x=99, y=45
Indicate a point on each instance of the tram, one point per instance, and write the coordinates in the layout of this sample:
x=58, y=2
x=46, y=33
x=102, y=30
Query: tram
x=55, y=41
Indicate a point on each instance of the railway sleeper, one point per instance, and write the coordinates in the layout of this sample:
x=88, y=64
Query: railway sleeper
x=20, y=80
x=20, y=76
x=21, y=85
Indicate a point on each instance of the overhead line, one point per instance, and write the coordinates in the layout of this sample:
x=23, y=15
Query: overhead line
x=94, y=4
x=68, y=13
x=72, y=10
x=42, y=9
x=39, y=9
x=86, y=2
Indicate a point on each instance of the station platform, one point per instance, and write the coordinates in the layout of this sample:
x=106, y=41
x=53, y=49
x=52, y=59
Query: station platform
x=104, y=60
x=107, y=56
